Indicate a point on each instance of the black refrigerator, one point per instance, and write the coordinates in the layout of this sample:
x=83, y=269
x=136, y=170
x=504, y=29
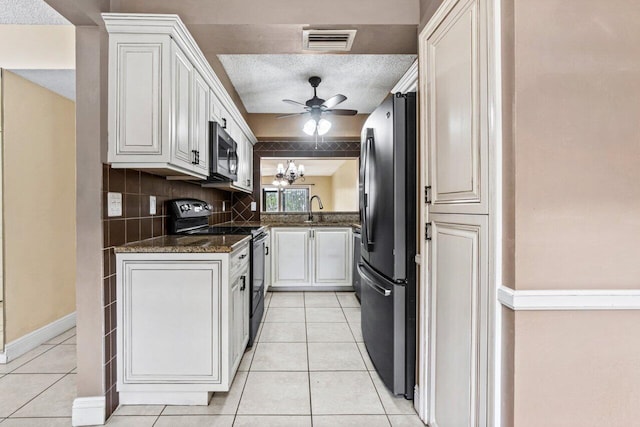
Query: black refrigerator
x=387, y=268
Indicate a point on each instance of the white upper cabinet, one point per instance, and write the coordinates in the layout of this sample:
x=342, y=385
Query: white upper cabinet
x=162, y=95
x=182, y=76
x=200, y=124
x=138, y=121
x=457, y=122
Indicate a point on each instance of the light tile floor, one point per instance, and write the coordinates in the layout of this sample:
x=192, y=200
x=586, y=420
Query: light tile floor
x=309, y=367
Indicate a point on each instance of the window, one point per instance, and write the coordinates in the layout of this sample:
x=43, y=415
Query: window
x=290, y=199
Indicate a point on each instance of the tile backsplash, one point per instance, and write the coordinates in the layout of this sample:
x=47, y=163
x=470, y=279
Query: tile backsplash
x=136, y=223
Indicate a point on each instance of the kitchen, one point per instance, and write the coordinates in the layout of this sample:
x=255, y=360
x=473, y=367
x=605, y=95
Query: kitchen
x=217, y=263
x=500, y=339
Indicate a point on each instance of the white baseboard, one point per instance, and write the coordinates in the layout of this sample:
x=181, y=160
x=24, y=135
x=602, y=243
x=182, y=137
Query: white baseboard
x=88, y=411
x=579, y=299
x=17, y=348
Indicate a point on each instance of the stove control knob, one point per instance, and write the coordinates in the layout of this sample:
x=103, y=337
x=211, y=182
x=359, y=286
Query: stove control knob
x=185, y=208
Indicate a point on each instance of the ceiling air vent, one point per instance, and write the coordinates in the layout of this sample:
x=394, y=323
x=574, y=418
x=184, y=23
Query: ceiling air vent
x=328, y=40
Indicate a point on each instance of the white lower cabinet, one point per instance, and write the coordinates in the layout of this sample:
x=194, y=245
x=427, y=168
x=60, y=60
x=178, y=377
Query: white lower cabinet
x=311, y=256
x=183, y=324
x=267, y=263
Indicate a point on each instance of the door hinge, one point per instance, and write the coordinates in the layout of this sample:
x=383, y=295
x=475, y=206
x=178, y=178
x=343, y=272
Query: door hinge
x=427, y=195
x=427, y=231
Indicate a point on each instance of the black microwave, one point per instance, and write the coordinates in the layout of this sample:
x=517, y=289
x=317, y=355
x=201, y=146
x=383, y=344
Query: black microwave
x=223, y=162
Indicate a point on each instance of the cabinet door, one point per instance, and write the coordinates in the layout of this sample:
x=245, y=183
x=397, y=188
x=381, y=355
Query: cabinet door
x=241, y=151
x=182, y=74
x=157, y=348
x=214, y=107
x=458, y=295
x=249, y=163
x=456, y=104
x=267, y=263
x=331, y=256
x=137, y=117
x=290, y=261
x=235, y=316
x=200, y=124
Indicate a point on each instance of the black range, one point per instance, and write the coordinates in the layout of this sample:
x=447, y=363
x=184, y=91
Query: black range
x=191, y=216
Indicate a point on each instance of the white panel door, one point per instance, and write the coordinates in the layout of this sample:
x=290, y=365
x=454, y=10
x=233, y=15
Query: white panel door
x=458, y=308
x=290, y=260
x=138, y=124
x=454, y=58
x=332, y=259
x=182, y=73
x=200, y=123
x=159, y=349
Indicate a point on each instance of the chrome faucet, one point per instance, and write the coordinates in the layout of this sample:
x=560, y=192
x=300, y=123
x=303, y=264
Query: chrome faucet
x=311, y=206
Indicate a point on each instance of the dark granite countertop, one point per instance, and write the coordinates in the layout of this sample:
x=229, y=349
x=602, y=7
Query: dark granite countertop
x=185, y=244
x=289, y=224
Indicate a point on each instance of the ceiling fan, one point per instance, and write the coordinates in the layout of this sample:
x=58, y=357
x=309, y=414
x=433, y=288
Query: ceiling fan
x=316, y=107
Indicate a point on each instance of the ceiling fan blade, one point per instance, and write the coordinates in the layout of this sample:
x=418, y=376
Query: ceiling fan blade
x=290, y=115
x=334, y=100
x=290, y=101
x=341, y=112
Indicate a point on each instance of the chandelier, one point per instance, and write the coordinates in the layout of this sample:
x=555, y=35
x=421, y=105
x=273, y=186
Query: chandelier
x=289, y=175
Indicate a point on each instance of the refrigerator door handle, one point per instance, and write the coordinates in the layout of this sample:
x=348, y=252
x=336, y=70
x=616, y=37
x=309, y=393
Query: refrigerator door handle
x=369, y=280
x=368, y=242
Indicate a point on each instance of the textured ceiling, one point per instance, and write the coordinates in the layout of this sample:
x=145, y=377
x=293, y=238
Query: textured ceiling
x=29, y=12
x=263, y=81
x=62, y=82
x=312, y=167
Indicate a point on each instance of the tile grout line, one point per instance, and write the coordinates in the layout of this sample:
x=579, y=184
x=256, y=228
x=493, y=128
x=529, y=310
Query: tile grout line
x=40, y=373
x=246, y=380
x=306, y=343
x=39, y=394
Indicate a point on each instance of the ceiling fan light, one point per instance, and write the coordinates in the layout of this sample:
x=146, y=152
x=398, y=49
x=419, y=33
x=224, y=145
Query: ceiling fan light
x=323, y=126
x=309, y=127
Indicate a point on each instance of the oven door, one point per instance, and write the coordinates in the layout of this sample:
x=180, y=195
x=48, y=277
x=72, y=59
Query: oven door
x=224, y=155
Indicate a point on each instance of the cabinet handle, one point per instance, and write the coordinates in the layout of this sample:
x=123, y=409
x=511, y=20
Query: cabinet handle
x=243, y=256
x=224, y=123
x=244, y=283
x=196, y=157
x=266, y=250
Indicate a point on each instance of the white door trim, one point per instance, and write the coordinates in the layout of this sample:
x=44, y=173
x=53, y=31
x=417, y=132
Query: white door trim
x=578, y=299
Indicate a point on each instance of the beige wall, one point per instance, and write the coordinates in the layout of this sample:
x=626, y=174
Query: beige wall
x=572, y=204
x=577, y=132
x=37, y=46
x=267, y=126
x=318, y=186
x=577, y=368
x=344, y=183
x=39, y=185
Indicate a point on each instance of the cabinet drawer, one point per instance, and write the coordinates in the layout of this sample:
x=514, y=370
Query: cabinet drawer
x=238, y=260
